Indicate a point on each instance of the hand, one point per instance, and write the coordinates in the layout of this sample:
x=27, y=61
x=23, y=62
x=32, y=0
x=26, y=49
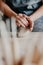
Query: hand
x=24, y=21
x=21, y=21
x=30, y=22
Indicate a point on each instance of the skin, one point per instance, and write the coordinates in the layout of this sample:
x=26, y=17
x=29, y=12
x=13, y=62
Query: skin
x=21, y=19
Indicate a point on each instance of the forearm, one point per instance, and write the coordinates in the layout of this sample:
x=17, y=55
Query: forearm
x=6, y=10
x=37, y=14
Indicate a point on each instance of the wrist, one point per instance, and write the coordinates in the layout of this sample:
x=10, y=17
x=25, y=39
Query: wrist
x=31, y=18
x=13, y=14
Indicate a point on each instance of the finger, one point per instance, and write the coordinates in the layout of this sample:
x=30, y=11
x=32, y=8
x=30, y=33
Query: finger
x=21, y=15
x=18, y=24
x=29, y=22
x=24, y=21
x=32, y=27
x=25, y=16
x=21, y=23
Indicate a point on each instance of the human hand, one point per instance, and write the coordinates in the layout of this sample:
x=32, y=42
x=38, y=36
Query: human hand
x=21, y=21
x=25, y=21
